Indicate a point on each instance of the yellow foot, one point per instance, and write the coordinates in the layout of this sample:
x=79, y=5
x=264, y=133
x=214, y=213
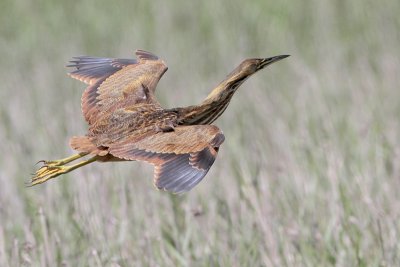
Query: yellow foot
x=48, y=171
x=52, y=169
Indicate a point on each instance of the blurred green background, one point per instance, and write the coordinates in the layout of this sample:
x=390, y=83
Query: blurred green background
x=309, y=174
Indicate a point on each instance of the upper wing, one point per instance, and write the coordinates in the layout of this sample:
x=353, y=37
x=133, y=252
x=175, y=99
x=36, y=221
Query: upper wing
x=181, y=157
x=117, y=82
x=92, y=69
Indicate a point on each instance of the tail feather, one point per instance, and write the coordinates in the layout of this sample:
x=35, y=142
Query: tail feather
x=85, y=145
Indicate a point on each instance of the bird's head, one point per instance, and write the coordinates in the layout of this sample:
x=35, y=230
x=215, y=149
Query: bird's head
x=250, y=66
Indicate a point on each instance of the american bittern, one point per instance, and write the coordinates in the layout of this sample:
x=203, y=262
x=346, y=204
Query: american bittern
x=127, y=123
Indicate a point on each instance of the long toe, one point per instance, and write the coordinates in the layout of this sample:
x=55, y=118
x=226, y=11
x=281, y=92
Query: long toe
x=45, y=173
x=53, y=162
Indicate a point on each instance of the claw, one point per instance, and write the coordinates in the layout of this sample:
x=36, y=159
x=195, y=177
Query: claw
x=52, y=162
x=48, y=162
x=41, y=161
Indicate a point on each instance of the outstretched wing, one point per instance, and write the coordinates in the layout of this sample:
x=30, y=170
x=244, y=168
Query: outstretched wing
x=116, y=82
x=181, y=157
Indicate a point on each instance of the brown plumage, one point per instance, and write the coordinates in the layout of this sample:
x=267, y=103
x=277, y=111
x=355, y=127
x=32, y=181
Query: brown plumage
x=126, y=122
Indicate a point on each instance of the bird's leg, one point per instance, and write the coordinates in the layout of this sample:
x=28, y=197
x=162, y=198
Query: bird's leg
x=60, y=162
x=50, y=171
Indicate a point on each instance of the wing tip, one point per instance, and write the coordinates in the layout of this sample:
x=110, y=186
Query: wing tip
x=145, y=55
x=218, y=139
x=179, y=176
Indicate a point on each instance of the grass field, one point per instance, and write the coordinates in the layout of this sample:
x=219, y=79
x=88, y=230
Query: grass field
x=309, y=174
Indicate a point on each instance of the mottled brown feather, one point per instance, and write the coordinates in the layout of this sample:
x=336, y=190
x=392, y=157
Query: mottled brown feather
x=183, y=140
x=131, y=124
x=117, y=82
x=181, y=157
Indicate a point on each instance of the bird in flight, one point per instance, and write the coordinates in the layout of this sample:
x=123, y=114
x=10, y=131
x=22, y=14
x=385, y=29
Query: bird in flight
x=127, y=123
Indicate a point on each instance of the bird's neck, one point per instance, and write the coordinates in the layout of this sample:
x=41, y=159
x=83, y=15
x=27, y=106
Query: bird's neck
x=214, y=104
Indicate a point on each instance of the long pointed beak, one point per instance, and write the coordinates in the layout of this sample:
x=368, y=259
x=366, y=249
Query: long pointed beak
x=268, y=61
